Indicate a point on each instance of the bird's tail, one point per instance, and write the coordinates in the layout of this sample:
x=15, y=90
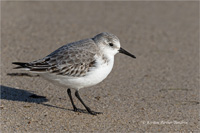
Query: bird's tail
x=21, y=65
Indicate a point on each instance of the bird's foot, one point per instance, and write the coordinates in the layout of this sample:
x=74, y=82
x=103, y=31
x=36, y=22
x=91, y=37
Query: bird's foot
x=88, y=110
x=79, y=110
x=93, y=112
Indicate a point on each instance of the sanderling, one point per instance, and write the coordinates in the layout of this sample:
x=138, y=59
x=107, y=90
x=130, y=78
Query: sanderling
x=79, y=64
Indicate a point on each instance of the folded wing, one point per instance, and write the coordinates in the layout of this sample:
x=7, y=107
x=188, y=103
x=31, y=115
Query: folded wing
x=74, y=59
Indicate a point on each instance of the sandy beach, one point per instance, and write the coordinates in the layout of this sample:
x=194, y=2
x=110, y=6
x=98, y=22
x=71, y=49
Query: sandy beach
x=156, y=92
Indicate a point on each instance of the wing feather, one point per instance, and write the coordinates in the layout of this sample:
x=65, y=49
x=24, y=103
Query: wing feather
x=74, y=59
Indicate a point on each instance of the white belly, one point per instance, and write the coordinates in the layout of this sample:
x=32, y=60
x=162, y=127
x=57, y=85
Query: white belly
x=95, y=76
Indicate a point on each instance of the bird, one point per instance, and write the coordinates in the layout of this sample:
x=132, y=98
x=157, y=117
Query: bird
x=79, y=64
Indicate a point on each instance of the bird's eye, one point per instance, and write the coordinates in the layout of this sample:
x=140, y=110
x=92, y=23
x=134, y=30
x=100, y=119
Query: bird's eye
x=111, y=44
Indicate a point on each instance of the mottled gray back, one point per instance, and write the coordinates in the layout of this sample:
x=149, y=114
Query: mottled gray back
x=73, y=59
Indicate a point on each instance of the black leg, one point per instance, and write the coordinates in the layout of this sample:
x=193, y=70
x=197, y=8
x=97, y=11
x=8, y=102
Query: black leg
x=87, y=108
x=70, y=96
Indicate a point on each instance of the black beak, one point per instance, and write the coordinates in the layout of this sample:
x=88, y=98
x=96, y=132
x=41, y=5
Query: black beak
x=121, y=50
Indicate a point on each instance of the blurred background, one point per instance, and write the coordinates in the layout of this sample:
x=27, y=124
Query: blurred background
x=151, y=93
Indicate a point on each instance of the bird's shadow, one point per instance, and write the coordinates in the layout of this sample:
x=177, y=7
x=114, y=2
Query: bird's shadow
x=13, y=94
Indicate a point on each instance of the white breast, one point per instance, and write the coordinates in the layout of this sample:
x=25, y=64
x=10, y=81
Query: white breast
x=93, y=77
